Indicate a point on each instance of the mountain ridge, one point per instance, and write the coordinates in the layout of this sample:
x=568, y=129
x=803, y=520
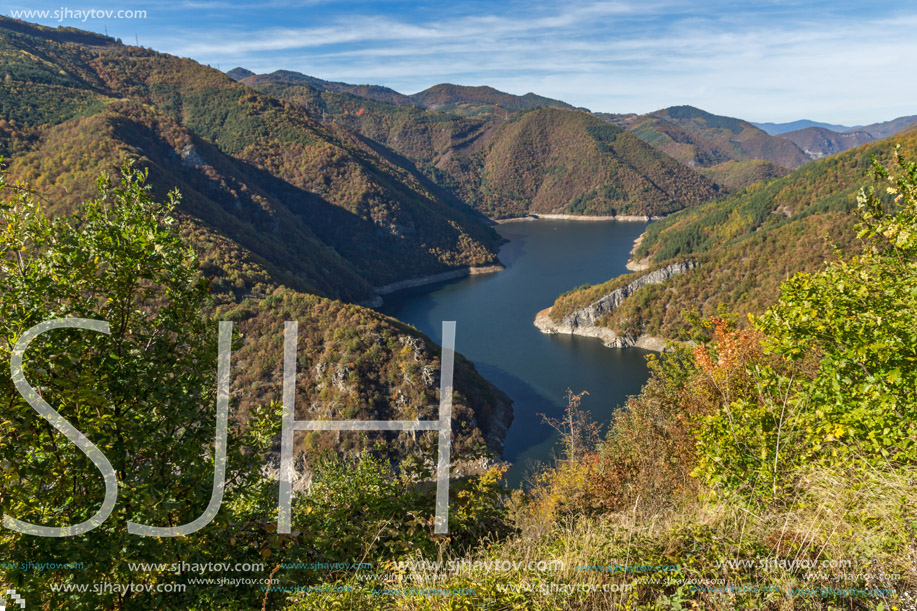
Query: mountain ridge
x=776, y=129
x=291, y=219
x=818, y=142
x=471, y=154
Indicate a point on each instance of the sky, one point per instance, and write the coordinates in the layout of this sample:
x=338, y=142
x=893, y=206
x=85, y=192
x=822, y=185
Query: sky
x=840, y=62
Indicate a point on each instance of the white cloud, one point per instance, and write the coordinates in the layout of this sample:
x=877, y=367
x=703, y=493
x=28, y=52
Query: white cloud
x=614, y=56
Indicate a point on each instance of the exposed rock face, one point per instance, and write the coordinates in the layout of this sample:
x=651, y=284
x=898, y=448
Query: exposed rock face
x=583, y=321
x=191, y=158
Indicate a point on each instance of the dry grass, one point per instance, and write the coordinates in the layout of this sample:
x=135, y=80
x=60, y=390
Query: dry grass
x=834, y=530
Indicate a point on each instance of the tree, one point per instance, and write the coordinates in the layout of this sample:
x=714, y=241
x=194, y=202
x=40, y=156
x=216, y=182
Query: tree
x=855, y=322
x=143, y=394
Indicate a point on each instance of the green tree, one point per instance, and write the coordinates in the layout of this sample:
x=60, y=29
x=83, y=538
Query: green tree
x=145, y=395
x=849, y=336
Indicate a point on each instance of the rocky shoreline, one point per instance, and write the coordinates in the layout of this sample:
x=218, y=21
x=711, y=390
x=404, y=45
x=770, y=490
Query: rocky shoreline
x=642, y=264
x=461, y=272
x=577, y=217
x=583, y=321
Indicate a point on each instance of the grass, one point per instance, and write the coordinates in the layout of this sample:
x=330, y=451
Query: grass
x=852, y=523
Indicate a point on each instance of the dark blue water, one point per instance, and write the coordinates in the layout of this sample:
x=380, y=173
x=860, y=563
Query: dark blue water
x=494, y=315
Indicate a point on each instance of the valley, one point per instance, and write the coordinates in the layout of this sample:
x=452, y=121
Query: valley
x=684, y=339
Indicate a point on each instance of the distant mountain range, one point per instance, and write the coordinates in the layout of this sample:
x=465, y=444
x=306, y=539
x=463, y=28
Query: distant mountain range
x=730, y=152
x=775, y=129
x=820, y=142
x=507, y=155
x=454, y=99
x=885, y=129
x=878, y=131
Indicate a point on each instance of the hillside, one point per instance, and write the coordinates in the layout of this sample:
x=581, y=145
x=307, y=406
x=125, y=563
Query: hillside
x=729, y=151
x=744, y=245
x=818, y=142
x=370, y=207
x=221, y=196
x=359, y=364
x=735, y=175
x=530, y=162
x=555, y=161
x=370, y=92
x=480, y=101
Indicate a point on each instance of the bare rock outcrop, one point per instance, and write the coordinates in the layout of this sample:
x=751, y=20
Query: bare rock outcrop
x=584, y=320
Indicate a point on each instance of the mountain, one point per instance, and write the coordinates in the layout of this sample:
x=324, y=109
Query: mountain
x=290, y=175
x=890, y=128
x=420, y=135
x=531, y=160
x=239, y=73
x=743, y=245
x=736, y=139
x=876, y=130
x=454, y=99
x=371, y=92
x=464, y=100
x=818, y=142
x=557, y=161
x=729, y=151
x=292, y=218
x=775, y=129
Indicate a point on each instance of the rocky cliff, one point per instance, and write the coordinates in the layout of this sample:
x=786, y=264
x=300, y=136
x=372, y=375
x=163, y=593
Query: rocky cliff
x=583, y=321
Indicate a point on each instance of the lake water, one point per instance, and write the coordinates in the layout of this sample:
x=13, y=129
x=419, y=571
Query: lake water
x=494, y=329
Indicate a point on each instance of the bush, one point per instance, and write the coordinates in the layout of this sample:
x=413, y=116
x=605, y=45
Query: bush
x=846, y=338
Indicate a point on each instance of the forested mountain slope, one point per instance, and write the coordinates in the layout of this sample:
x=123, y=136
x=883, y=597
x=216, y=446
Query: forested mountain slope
x=291, y=218
x=369, y=207
x=745, y=245
x=546, y=158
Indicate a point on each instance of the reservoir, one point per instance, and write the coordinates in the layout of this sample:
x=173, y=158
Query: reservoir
x=494, y=314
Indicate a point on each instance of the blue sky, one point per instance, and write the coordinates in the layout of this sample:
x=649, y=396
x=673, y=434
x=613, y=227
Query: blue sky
x=838, y=61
